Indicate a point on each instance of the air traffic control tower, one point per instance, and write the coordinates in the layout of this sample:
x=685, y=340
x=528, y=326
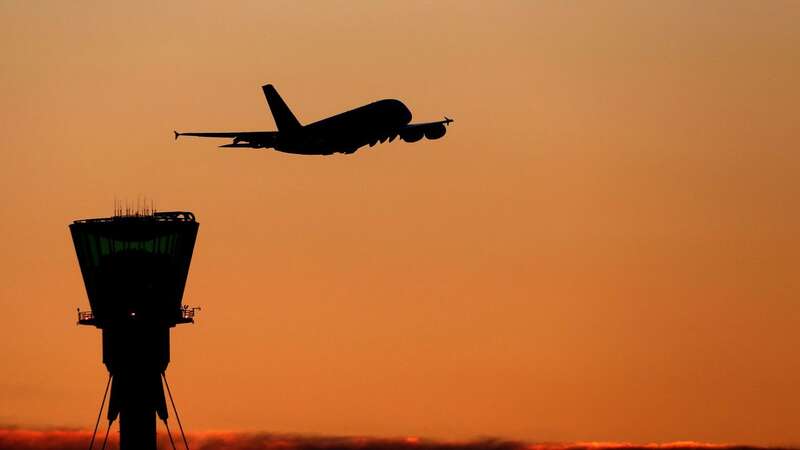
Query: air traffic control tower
x=134, y=267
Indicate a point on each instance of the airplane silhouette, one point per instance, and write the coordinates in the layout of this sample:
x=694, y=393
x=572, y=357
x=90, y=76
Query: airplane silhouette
x=343, y=133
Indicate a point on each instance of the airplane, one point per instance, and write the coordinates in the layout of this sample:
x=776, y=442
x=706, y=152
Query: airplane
x=343, y=133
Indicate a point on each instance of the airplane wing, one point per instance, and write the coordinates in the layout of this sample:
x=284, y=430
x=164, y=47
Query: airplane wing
x=251, y=139
x=412, y=126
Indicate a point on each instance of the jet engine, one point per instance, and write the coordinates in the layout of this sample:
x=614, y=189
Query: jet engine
x=412, y=135
x=435, y=131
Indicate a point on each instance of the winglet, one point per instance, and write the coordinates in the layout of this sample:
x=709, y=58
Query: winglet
x=176, y=134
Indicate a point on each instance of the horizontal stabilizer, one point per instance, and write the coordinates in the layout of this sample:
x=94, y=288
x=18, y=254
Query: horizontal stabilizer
x=237, y=145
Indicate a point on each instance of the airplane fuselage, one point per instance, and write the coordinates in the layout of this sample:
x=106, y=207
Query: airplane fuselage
x=346, y=132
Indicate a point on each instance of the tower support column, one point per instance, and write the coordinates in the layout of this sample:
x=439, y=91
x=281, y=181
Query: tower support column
x=137, y=397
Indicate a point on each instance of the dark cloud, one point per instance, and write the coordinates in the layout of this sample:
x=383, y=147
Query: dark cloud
x=12, y=438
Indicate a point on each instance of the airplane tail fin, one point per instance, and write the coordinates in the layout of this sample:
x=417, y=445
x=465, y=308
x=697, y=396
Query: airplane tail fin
x=284, y=119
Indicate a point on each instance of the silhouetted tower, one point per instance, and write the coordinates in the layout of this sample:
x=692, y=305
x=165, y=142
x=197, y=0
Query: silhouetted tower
x=134, y=268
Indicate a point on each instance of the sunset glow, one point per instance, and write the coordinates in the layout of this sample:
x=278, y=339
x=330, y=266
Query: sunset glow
x=603, y=249
x=19, y=439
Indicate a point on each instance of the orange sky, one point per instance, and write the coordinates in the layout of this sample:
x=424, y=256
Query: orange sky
x=604, y=246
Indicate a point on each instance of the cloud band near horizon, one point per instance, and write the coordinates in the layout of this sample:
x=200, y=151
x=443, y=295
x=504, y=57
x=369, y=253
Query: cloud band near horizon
x=14, y=438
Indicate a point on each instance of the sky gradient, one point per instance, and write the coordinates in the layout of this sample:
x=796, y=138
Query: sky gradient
x=603, y=247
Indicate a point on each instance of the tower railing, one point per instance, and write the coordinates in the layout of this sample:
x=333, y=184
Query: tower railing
x=85, y=317
x=186, y=315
